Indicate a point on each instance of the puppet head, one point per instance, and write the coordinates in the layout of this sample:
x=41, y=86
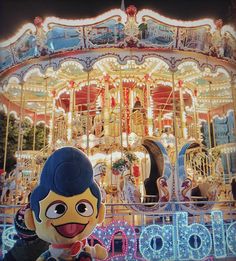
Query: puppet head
x=66, y=205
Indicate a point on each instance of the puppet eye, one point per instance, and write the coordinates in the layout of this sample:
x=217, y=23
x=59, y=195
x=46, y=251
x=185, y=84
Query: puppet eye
x=84, y=208
x=56, y=210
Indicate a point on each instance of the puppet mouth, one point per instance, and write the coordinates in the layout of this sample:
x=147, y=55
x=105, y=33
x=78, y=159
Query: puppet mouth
x=70, y=230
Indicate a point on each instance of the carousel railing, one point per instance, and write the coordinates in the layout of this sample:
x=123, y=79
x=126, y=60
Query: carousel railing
x=228, y=155
x=19, y=182
x=198, y=162
x=33, y=156
x=59, y=132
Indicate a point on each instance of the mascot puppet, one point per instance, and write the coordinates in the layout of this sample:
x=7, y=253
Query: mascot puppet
x=66, y=206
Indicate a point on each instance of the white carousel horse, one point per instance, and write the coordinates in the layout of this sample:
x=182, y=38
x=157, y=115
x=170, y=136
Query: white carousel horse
x=129, y=192
x=99, y=170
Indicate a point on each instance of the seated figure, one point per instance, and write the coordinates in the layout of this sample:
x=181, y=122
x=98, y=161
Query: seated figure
x=168, y=140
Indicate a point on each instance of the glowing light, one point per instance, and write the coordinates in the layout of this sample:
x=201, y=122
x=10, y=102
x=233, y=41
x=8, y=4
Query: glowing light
x=202, y=22
x=148, y=238
x=89, y=21
x=218, y=234
x=185, y=233
x=231, y=237
x=8, y=237
x=29, y=119
x=69, y=131
x=106, y=235
x=167, y=242
x=34, y=71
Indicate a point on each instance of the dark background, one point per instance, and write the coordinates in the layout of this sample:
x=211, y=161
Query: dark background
x=15, y=13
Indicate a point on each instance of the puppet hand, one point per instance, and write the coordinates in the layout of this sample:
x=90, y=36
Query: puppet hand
x=101, y=252
x=97, y=251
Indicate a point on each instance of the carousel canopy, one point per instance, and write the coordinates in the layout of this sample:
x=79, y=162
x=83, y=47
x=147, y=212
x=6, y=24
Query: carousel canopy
x=47, y=58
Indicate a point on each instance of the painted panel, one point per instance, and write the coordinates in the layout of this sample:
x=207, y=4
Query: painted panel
x=60, y=38
x=152, y=32
x=110, y=32
x=194, y=39
x=25, y=47
x=6, y=59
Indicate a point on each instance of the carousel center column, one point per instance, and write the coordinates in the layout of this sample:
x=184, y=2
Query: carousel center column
x=175, y=163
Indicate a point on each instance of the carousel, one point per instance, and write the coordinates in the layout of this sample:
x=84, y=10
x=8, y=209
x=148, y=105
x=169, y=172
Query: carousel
x=150, y=100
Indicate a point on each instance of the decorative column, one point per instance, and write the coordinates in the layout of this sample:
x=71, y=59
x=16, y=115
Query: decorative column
x=52, y=121
x=70, y=113
x=182, y=111
x=174, y=112
x=145, y=105
x=159, y=120
x=21, y=114
x=149, y=109
x=34, y=134
x=127, y=111
x=210, y=115
x=106, y=106
x=176, y=185
x=209, y=128
x=197, y=127
x=233, y=90
x=6, y=138
x=45, y=114
x=88, y=112
x=121, y=112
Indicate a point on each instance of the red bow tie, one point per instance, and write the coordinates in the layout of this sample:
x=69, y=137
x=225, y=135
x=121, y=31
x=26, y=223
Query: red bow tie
x=75, y=248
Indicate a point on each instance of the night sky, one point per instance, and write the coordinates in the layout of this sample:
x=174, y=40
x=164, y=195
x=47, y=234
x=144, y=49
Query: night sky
x=15, y=13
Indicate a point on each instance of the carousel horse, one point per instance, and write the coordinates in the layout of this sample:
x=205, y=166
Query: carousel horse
x=99, y=171
x=127, y=187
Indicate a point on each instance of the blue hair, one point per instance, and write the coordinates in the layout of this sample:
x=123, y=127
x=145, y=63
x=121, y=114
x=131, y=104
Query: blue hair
x=67, y=172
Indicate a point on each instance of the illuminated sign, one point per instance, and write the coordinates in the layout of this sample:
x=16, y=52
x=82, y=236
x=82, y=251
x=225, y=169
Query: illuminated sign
x=177, y=241
x=166, y=242
x=186, y=242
